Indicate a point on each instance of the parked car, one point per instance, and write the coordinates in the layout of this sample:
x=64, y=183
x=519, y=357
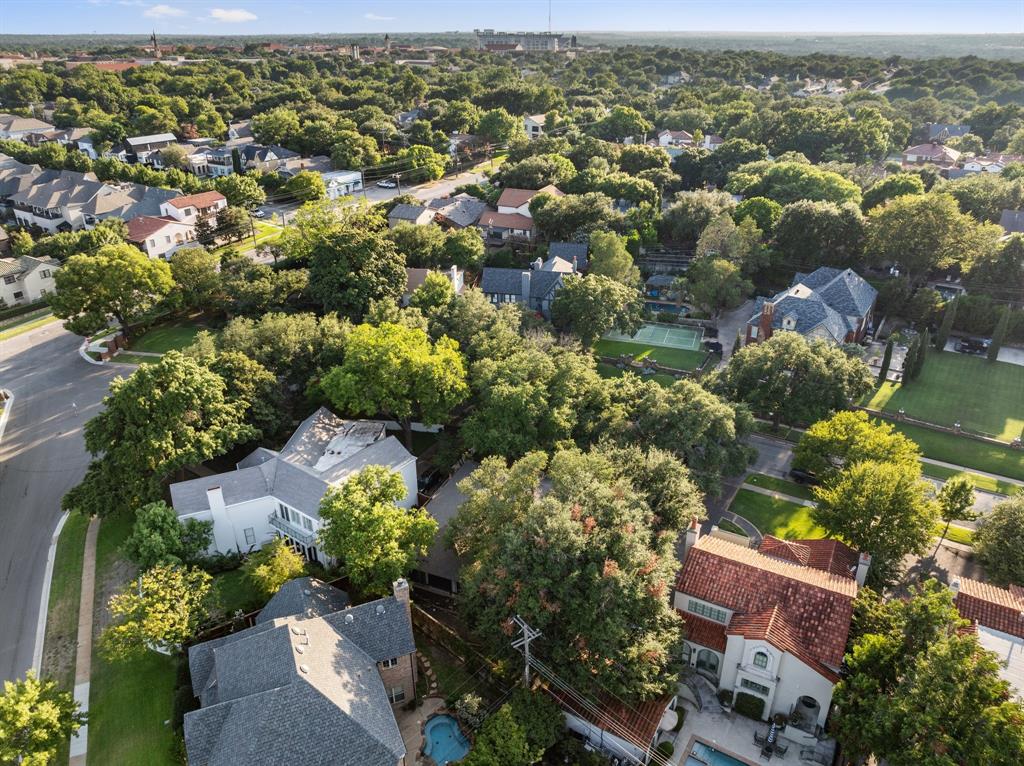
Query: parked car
x=429, y=479
x=801, y=476
x=972, y=346
x=257, y=213
x=387, y=183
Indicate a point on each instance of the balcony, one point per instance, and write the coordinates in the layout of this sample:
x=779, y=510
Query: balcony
x=297, y=534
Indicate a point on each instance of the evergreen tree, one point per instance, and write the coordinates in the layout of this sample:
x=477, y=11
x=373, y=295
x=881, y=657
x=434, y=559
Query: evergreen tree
x=886, y=361
x=998, y=335
x=909, y=361
x=922, y=354
x=947, y=325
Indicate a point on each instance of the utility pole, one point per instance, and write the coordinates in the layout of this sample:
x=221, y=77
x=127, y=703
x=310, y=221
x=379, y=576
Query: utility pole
x=529, y=634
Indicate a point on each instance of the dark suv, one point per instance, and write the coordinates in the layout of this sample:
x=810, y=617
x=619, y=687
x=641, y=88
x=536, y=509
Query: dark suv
x=801, y=476
x=972, y=346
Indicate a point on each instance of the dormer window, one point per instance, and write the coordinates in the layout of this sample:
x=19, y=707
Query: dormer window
x=760, y=660
x=788, y=322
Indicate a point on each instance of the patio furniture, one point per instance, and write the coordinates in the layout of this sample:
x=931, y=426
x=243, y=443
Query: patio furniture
x=781, y=749
x=759, y=739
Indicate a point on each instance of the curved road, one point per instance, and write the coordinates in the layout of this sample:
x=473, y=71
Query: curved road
x=42, y=455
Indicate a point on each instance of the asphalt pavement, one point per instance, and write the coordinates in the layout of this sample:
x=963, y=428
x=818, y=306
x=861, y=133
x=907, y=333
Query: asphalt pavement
x=42, y=455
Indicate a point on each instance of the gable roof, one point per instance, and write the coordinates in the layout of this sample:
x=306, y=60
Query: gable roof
x=461, y=210
x=12, y=123
x=998, y=608
x=200, y=200
x=568, y=251
x=498, y=281
x=156, y=138
x=818, y=604
x=142, y=227
x=300, y=691
x=518, y=197
x=506, y=220
x=406, y=212
x=828, y=555
x=937, y=130
x=934, y=151
x=304, y=597
x=773, y=625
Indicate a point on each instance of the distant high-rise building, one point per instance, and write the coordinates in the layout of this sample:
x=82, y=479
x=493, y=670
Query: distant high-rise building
x=530, y=41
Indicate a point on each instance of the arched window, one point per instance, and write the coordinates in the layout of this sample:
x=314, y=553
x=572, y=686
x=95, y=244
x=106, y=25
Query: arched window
x=760, y=660
x=687, y=653
x=707, y=662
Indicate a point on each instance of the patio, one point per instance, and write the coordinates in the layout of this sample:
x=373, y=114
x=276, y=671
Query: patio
x=410, y=723
x=734, y=735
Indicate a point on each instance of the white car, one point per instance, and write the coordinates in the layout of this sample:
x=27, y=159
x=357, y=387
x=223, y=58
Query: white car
x=257, y=213
x=387, y=183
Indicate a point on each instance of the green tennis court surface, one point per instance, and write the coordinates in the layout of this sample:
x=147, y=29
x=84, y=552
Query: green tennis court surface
x=662, y=335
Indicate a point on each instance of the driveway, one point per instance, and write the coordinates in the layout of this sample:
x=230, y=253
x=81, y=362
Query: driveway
x=728, y=324
x=42, y=456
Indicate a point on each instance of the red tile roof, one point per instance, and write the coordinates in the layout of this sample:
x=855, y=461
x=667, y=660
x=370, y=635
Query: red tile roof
x=827, y=555
x=997, y=608
x=637, y=720
x=772, y=625
x=144, y=226
x=817, y=603
x=201, y=200
x=703, y=631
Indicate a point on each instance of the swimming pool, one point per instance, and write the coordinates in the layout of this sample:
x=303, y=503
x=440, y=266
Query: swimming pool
x=705, y=755
x=445, y=742
x=671, y=308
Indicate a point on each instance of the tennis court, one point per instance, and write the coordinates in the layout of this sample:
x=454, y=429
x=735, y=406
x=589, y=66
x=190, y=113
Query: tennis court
x=663, y=335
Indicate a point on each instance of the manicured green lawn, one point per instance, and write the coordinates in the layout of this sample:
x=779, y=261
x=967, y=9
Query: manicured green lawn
x=679, y=358
x=235, y=591
x=606, y=370
x=985, y=397
x=780, y=518
x=164, y=338
x=781, y=486
x=29, y=324
x=970, y=453
x=266, y=234
x=986, y=483
x=956, y=534
x=129, y=701
x=126, y=358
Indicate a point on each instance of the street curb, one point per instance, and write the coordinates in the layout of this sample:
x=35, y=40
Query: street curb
x=85, y=356
x=44, y=598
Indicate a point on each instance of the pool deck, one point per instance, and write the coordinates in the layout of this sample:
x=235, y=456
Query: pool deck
x=410, y=723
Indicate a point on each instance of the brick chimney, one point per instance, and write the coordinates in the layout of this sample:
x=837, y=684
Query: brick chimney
x=692, y=535
x=764, y=327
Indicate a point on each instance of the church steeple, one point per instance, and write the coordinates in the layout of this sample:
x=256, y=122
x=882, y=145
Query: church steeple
x=156, y=48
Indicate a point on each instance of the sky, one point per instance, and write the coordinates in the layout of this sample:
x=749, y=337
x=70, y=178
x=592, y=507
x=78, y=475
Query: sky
x=369, y=16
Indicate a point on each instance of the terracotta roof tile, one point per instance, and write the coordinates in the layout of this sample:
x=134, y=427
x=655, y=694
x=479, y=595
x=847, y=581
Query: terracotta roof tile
x=201, y=200
x=828, y=555
x=703, y=631
x=516, y=197
x=818, y=604
x=775, y=627
x=143, y=226
x=997, y=608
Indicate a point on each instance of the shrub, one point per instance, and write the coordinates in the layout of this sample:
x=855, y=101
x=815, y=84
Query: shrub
x=470, y=710
x=667, y=317
x=750, y=705
x=725, y=696
x=666, y=749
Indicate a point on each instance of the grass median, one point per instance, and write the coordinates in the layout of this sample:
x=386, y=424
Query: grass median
x=774, y=516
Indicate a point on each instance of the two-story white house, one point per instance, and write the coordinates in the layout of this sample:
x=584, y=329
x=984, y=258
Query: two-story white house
x=139, y=148
x=192, y=208
x=533, y=124
x=159, y=237
x=26, y=279
x=277, y=494
x=770, y=623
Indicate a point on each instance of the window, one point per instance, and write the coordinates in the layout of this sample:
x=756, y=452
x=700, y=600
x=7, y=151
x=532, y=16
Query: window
x=389, y=663
x=706, y=610
x=396, y=695
x=250, y=536
x=284, y=511
x=152, y=243
x=746, y=683
x=19, y=295
x=687, y=654
x=307, y=523
x=44, y=274
x=760, y=660
x=10, y=279
x=43, y=291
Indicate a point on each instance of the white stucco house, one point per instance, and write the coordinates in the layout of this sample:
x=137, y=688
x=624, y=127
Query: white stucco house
x=533, y=124
x=26, y=279
x=159, y=236
x=769, y=622
x=277, y=494
x=192, y=207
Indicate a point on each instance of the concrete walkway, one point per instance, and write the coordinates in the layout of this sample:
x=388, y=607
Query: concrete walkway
x=83, y=657
x=752, y=532
x=780, y=496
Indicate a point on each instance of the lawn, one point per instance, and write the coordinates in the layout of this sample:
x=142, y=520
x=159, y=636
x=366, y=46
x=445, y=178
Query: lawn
x=18, y=328
x=129, y=701
x=780, y=518
x=970, y=453
x=781, y=486
x=126, y=358
x=453, y=677
x=236, y=592
x=783, y=432
x=163, y=338
x=266, y=234
x=956, y=534
x=986, y=483
x=62, y=618
x=606, y=370
x=985, y=397
x=678, y=358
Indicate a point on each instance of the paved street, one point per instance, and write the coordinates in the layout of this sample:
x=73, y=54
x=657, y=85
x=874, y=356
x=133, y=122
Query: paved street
x=41, y=457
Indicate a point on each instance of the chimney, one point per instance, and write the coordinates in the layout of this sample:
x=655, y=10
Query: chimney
x=954, y=586
x=575, y=265
x=223, y=529
x=863, y=564
x=764, y=327
x=537, y=265
x=401, y=591
x=525, y=289
x=455, y=277
x=692, y=535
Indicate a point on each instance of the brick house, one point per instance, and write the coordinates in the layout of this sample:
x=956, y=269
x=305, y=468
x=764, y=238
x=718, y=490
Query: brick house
x=314, y=681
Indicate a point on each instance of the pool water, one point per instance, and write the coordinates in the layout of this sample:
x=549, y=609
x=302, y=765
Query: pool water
x=445, y=742
x=705, y=755
x=671, y=308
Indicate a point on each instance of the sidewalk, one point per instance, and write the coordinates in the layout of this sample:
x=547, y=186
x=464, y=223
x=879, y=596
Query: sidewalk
x=83, y=657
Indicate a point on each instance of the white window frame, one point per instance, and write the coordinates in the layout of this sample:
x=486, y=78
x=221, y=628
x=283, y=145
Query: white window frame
x=754, y=686
x=250, y=535
x=708, y=611
x=757, y=655
x=391, y=663
x=396, y=694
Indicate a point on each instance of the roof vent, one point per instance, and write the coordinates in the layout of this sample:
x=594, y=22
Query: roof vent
x=299, y=649
x=304, y=668
x=307, y=592
x=380, y=609
x=349, y=619
x=298, y=631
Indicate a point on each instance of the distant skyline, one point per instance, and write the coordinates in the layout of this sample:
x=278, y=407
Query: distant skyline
x=267, y=17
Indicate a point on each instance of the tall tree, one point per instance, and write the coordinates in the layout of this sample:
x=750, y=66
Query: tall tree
x=350, y=267
x=590, y=306
x=811, y=234
x=884, y=509
x=714, y=284
x=794, y=380
x=158, y=537
x=999, y=334
x=118, y=280
x=165, y=608
x=883, y=372
x=36, y=718
x=948, y=318
x=396, y=371
x=376, y=540
x=956, y=501
x=164, y=417
x=1000, y=539
x=196, y=275
x=610, y=258
x=850, y=437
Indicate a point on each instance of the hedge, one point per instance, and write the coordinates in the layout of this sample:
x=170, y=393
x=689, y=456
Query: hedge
x=749, y=705
x=25, y=308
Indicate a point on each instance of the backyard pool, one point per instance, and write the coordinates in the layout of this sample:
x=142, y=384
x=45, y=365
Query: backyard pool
x=705, y=755
x=670, y=308
x=444, y=741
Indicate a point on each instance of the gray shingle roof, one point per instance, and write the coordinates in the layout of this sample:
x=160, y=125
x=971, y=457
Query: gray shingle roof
x=842, y=289
x=568, y=251
x=304, y=597
x=496, y=281
x=292, y=476
x=405, y=212
x=300, y=691
x=462, y=210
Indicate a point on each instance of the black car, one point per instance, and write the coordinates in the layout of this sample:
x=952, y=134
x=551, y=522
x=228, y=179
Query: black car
x=977, y=346
x=801, y=476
